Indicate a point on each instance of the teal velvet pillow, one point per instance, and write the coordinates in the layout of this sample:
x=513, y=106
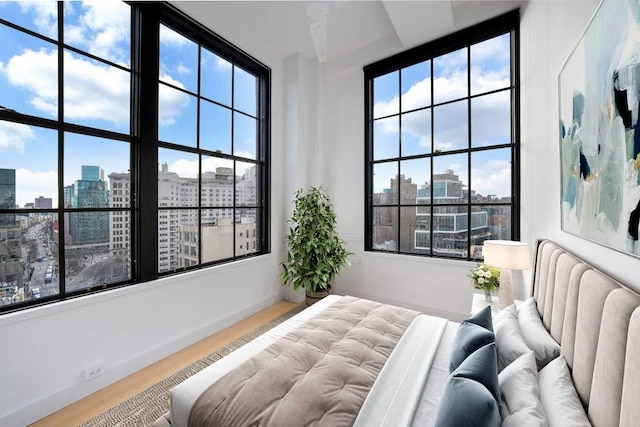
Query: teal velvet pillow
x=482, y=318
x=468, y=339
x=471, y=395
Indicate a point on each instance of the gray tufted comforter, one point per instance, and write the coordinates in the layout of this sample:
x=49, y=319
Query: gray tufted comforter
x=318, y=375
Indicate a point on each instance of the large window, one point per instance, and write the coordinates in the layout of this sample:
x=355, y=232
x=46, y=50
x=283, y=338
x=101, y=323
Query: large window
x=121, y=162
x=442, y=144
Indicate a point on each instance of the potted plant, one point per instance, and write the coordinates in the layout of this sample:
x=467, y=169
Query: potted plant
x=316, y=251
x=486, y=278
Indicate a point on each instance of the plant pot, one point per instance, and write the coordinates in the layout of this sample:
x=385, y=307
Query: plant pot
x=315, y=296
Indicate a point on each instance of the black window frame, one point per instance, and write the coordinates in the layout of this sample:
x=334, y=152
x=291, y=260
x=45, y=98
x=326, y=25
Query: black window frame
x=506, y=23
x=146, y=18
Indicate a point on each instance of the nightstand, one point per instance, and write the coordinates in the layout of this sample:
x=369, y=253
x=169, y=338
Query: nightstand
x=479, y=303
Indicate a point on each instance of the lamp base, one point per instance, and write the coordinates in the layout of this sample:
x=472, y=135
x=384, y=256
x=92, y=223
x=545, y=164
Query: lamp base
x=505, y=293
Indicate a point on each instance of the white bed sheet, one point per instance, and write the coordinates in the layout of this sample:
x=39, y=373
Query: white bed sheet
x=408, y=397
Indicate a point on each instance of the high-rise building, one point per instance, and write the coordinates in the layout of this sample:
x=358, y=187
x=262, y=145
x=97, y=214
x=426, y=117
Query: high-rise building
x=7, y=196
x=11, y=269
x=216, y=191
x=92, y=173
x=43, y=203
x=89, y=228
x=119, y=224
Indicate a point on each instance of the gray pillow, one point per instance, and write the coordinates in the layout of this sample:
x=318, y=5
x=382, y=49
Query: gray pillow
x=536, y=335
x=559, y=397
x=509, y=341
x=469, y=395
x=468, y=339
x=521, y=404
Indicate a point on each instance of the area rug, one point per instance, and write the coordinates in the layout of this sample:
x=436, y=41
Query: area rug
x=147, y=406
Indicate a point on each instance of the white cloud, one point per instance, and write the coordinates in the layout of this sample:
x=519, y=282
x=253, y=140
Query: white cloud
x=31, y=185
x=222, y=65
x=13, y=136
x=171, y=102
x=92, y=90
x=46, y=16
x=171, y=38
x=492, y=177
x=182, y=70
x=103, y=29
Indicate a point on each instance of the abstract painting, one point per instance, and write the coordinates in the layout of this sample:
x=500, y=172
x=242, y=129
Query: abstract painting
x=599, y=88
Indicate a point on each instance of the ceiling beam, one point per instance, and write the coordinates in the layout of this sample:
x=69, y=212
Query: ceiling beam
x=417, y=22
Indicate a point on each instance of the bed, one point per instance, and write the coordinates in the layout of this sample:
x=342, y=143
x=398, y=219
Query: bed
x=569, y=355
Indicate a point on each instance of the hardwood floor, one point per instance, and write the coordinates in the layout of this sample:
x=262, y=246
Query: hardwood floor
x=100, y=401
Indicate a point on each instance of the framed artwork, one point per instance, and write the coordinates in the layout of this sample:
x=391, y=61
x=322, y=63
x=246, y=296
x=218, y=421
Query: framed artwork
x=599, y=90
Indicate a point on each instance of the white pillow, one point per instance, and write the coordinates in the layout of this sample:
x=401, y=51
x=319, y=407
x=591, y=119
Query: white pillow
x=520, y=394
x=559, y=396
x=536, y=335
x=509, y=340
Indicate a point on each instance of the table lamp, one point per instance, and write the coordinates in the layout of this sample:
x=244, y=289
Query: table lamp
x=506, y=255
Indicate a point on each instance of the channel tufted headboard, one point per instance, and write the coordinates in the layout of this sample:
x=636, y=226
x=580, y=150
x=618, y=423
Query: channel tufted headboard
x=596, y=320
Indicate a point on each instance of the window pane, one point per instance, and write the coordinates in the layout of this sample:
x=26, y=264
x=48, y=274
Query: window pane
x=88, y=162
x=450, y=76
x=178, y=60
x=450, y=179
x=175, y=227
x=28, y=259
x=385, y=183
x=491, y=64
x=217, y=234
x=491, y=119
x=87, y=251
x=451, y=126
x=96, y=94
x=385, y=95
x=217, y=181
x=177, y=178
x=416, y=86
x=246, y=184
x=416, y=132
x=491, y=175
x=450, y=230
x=101, y=28
x=29, y=77
x=28, y=166
x=215, y=78
x=386, y=139
x=245, y=91
x=245, y=132
x=177, y=116
x=38, y=16
x=215, y=127
x=417, y=175
x=385, y=229
x=247, y=241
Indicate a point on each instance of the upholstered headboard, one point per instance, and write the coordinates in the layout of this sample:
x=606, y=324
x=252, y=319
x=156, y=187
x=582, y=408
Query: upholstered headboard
x=596, y=320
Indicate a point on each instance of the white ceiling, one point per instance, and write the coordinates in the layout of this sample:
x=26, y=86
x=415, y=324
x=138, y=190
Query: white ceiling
x=351, y=24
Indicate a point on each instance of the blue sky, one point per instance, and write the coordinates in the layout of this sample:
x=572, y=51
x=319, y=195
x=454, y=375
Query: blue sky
x=490, y=117
x=97, y=95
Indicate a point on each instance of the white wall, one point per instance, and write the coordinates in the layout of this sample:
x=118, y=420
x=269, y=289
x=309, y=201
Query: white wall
x=549, y=31
x=45, y=350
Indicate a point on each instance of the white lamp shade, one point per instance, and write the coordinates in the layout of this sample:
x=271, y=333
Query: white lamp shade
x=506, y=254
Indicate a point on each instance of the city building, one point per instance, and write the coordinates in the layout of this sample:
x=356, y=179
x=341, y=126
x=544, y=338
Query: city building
x=89, y=228
x=43, y=203
x=7, y=196
x=11, y=265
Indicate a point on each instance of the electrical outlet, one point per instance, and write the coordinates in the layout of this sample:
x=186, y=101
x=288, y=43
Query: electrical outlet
x=92, y=372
